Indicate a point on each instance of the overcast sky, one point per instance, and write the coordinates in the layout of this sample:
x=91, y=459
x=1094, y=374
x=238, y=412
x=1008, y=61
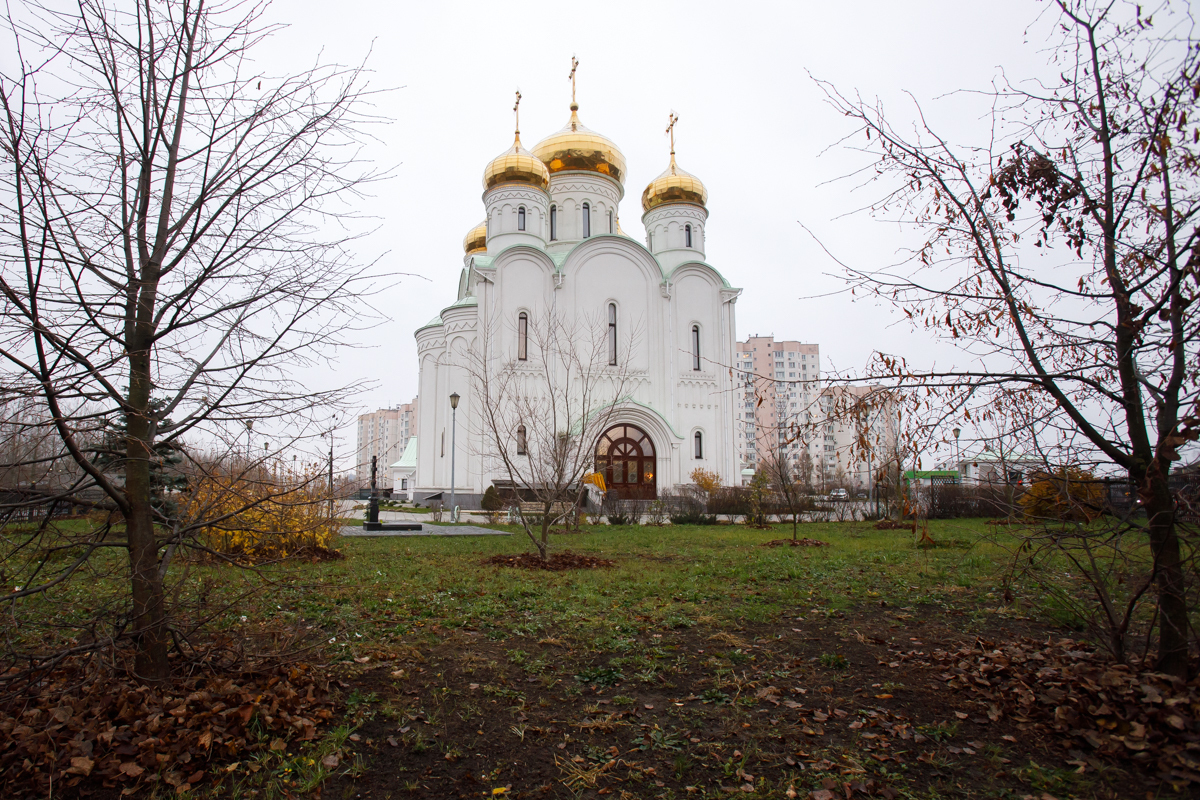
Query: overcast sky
x=753, y=126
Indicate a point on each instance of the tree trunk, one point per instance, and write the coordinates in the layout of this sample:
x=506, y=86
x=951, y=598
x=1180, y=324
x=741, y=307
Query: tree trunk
x=149, y=603
x=1172, y=602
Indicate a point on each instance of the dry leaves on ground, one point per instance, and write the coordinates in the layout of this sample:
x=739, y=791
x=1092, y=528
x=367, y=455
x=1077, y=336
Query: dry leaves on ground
x=110, y=731
x=1101, y=709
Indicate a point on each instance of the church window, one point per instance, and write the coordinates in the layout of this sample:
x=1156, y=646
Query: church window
x=521, y=218
x=612, y=333
x=443, y=441
x=610, y=223
x=696, y=347
x=687, y=235
x=587, y=220
x=521, y=450
x=553, y=223
x=699, y=439
x=651, y=240
x=523, y=337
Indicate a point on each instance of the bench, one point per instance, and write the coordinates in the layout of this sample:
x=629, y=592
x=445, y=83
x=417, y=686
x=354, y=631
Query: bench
x=529, y=509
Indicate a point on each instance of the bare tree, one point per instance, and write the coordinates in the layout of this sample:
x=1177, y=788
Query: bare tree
x=166, y=255
x=540, y=418
x=1101, y=347
x=785, y=479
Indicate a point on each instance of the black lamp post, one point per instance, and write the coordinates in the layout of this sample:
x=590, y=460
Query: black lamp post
x=957, y=454
x=453, y=433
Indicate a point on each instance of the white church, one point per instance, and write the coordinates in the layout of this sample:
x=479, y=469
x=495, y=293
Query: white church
x=552, y=238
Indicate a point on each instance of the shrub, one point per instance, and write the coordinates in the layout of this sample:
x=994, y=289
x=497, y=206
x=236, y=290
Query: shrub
x=1066, y=495
x=707, y=480
x=491, y=500
x=261, y=516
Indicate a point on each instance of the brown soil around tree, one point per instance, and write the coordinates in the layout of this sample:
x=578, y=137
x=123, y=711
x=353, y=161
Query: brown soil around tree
x=801, y=542
x=875, y=702
x=558, y=561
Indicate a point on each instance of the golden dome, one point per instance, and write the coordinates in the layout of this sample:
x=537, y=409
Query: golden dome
x=516, y=165
x=674, y=186
x=476, y=239
x=576, y=147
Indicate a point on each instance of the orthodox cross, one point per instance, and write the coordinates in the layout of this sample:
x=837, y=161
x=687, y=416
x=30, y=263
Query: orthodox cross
x=671, y=130
x=574, y=66
x=517, y=112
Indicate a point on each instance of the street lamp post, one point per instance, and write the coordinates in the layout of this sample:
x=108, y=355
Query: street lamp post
x=957, y=454
x=453, y=433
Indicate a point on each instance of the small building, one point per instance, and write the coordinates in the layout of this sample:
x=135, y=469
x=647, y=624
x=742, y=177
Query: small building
x=998, y=469
x=404, y=472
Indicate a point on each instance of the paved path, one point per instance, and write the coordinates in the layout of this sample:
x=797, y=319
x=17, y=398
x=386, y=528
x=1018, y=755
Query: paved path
x=429, y=530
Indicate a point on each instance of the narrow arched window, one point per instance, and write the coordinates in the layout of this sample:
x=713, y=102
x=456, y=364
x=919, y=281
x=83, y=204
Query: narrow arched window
x=651, y=238
x=523, y=337
x=687, y=235
x=521, y=220
x=553, y=223
x=610, y=223
x=520, y=440
x=587, y=220
x=612, y=333
x=695, y=347
x=699, y=439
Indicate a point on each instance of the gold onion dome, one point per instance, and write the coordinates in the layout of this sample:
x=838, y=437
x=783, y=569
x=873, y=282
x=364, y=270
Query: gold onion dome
x=476, y=239
x=516, y=165
x=674, y=186
x=577, y=148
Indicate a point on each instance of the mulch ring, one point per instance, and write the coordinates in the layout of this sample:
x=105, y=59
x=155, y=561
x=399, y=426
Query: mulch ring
x=79, y=733
x=802, y=542
x=559, y=561
x=892, y=525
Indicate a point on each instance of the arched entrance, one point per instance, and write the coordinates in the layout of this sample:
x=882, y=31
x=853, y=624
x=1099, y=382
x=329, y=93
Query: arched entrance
x=625, y=457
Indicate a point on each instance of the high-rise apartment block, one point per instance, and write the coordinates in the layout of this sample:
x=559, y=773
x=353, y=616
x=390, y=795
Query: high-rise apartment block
x=783, y=411
x=778, y=386
x=384, y=434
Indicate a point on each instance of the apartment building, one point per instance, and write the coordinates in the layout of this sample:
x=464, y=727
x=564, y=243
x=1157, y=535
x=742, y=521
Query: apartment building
x=782, y=408
x=777, y=390
x=384, y=434
x=858, y=433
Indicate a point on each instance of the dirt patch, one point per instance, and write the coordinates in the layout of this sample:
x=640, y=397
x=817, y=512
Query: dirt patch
x=892, y=525
x=558, y=561
x=816, y=699
x=802, y=542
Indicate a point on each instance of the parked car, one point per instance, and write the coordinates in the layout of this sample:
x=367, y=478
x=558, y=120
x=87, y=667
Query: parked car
x=839, y=494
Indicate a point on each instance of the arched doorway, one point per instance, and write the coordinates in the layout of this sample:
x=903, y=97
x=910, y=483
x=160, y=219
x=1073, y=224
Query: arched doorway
x=625, y=457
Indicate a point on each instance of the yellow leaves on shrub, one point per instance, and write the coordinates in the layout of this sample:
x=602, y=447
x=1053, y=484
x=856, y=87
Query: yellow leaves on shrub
x=706, y=479
x=1065, y=495
x=262, y=516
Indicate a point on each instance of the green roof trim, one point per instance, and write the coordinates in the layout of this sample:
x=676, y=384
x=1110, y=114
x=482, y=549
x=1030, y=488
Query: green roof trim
x=433, y=323
x=921, y=474
x=409, y=457
x=724, y=283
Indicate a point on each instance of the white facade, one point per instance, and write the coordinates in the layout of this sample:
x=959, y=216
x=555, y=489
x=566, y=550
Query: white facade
x=572, y=259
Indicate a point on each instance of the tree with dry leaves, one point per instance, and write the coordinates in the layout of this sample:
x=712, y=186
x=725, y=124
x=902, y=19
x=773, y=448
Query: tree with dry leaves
x=1093, y=340
x=173, y=246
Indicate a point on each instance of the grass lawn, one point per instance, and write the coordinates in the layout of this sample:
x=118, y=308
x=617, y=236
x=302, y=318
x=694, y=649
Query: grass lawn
x=700, y=664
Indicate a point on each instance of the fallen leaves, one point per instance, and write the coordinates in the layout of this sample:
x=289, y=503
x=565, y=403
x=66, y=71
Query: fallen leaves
x=1118, y=713
x=109, y=732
